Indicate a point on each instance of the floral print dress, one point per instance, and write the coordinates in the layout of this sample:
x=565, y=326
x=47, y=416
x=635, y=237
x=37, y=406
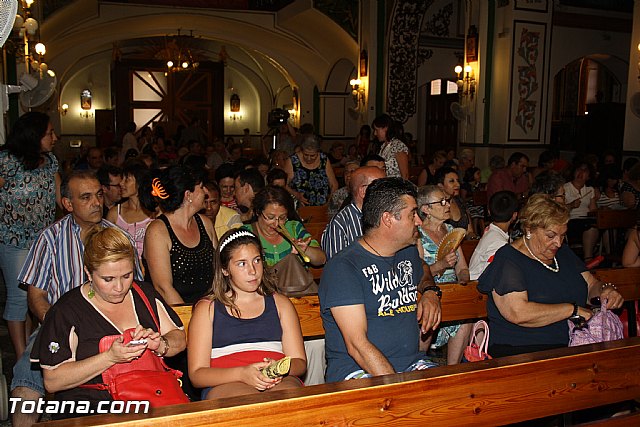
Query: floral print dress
x=312, y=183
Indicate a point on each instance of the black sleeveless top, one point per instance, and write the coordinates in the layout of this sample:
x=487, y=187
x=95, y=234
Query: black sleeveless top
x=192, y=268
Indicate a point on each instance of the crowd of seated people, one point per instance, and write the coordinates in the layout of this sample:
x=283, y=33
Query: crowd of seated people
x=193, y=224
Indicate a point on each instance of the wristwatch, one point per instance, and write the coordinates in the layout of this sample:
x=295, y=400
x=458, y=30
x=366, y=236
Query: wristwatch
x=435, y=289
x=575, y=318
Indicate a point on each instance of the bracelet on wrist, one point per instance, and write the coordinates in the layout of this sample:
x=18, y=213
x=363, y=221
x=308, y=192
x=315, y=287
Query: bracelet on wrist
x=166, y=347
x=608, y=285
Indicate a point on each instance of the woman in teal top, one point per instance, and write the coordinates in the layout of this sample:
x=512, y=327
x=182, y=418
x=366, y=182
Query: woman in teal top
x=273, y=207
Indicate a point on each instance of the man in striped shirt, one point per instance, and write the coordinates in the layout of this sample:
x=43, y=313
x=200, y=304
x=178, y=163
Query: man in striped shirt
x=346, y=226
x=53, y=267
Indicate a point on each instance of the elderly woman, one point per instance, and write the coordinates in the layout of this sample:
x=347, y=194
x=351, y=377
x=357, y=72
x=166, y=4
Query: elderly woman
x=28, y=192
x=179, y=244
x=67, y=347
x=311, y=176
x=434, y=208
x=537, y=283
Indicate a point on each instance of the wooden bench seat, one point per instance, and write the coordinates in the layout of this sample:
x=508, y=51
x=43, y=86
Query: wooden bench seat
x=493, y=392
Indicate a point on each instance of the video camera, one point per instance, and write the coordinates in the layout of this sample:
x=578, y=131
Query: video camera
x=277, y=117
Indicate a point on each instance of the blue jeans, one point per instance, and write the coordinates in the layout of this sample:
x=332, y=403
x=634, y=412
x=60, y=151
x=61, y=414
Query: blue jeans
x=26, y=374
x=11, y=261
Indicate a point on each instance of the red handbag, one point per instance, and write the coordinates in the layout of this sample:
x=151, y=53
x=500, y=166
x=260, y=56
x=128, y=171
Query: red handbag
x=475, y=352
x=146, y=378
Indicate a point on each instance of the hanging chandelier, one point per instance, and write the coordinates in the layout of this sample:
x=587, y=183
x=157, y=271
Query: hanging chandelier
x=178, y=53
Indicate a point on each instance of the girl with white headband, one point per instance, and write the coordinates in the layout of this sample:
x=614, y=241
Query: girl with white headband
x=242, y=326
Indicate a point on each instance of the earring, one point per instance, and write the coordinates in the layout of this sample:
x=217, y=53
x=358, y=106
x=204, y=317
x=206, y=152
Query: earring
x=528, y=236
x=91, y=292
x=190, y=201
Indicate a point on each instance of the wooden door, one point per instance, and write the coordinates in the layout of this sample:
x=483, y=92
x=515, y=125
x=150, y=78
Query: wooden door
x=146, y=94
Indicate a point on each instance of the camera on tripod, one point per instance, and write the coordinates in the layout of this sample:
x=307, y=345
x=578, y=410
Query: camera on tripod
x=277, y=117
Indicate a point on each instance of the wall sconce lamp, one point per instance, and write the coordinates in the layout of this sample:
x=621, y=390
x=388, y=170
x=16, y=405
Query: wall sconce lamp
x=467, y=83
x=358, y=94
x=233, y=116
x=86, y=114
x=64, y=108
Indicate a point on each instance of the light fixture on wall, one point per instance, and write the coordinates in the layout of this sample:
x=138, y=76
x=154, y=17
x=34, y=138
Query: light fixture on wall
x=86, y=102
x=466, y=83
x=32, y=48
x=235, y=115
x=64, y=108
x=358, y=94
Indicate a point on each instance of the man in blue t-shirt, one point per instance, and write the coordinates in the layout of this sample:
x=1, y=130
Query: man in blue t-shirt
x=368, y=292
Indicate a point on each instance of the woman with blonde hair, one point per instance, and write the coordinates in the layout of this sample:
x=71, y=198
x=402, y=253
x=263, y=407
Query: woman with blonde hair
x=537, y=283
x=110, y=303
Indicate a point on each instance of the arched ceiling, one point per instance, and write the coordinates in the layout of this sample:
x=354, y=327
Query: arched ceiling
x=302, y=45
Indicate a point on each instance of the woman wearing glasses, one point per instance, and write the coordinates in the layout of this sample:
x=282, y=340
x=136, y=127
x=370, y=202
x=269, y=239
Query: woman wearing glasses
x=273, y=206
x=434, y=208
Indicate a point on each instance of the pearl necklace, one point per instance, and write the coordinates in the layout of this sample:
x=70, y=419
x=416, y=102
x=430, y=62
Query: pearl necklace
x=555, y=270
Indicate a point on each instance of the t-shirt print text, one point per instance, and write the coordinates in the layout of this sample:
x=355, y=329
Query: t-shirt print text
x=395, y=288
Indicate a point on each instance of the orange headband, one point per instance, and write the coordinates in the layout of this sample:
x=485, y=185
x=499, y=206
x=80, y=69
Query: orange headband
x=157, y=189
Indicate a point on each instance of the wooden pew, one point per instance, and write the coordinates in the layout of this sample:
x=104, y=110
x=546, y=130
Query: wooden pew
x=493, y=392
x=627, y=280
x=314, y=213
x=468, y=246
x=459, y=301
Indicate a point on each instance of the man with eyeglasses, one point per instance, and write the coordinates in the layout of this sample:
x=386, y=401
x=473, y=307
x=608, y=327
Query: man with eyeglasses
x=369, y=291
x=110, y=178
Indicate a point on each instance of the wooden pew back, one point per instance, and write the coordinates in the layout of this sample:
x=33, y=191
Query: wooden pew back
x=459, y=302
x=627, y=280
x=468, y=246
x=314, y=213
x=493, y=392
